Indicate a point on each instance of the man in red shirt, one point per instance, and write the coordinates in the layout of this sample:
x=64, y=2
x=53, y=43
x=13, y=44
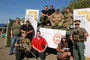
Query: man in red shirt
x=37, y=43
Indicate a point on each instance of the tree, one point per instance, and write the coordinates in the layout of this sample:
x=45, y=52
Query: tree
x=63, y=10
x=77, y=4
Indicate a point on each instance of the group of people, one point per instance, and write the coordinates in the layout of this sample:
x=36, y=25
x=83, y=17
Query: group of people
x=55, y=18
x=22, y=37
x=78, y=36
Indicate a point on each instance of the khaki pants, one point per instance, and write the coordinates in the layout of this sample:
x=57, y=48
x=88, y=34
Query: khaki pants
x=67, y=23
x=57, y=23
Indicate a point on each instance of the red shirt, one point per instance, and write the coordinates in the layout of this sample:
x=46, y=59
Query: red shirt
x=39, y=43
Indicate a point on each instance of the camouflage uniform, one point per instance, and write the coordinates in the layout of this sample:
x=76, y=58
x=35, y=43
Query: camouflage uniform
x=68, y=20
x=57, y=19
x=23, y=48
x=78, y=47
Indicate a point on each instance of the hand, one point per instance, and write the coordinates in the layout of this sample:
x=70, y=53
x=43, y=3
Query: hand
x=67, y=50
x=48, y=24
x=63, y=50
x=20, y=44
x=39, y=51
x=30, y=46
x=53, y=19
x=43, y=50
x=48, y=16
x=16, y=45
x=59, y=19
x=11, y=36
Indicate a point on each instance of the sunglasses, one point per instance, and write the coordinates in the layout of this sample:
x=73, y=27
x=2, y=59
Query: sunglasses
x=77, y=24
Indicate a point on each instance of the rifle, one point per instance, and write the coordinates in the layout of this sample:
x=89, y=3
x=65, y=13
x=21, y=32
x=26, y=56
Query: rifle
x=28, y=48
x=75, y=37
x=26, y=45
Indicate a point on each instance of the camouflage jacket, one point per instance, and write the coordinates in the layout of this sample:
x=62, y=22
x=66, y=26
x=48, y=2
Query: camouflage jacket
x=23, y=43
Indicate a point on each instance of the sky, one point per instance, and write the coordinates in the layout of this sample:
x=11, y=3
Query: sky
x=17, y=8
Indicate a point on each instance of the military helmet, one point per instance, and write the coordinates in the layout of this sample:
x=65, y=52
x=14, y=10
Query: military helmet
x=77, y=22
x=24, y=32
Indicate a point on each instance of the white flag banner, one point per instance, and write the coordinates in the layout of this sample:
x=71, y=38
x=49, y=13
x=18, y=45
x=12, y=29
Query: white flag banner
x=84, y=16
x=52, y=36
x=32, y=16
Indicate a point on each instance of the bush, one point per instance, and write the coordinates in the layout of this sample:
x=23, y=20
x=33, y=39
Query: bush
x=8, y=32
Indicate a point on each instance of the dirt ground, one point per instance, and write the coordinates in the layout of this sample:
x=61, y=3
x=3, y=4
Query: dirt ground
x=4, y=53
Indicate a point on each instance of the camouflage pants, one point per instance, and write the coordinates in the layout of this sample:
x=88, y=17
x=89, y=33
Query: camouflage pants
x=70, y=20
x=66, y=25
x=44, y=20
x=79, y=51
x=57, y=23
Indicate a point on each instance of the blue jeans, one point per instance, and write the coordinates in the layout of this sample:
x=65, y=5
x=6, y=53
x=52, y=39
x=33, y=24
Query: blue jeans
x=13, y=40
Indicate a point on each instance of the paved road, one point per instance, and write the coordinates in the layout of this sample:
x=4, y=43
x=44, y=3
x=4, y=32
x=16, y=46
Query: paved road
x=4, y=53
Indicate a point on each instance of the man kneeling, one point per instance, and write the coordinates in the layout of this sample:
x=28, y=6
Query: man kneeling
x=37, y=43
x=23, y=47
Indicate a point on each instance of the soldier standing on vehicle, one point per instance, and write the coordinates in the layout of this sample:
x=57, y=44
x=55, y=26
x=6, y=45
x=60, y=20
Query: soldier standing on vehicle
x=23, y=47
x=68, y=19
x=78, y=37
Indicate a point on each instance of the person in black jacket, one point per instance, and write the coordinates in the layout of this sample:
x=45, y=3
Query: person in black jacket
x=44, y=16
x=28, y=28
x=51, y=10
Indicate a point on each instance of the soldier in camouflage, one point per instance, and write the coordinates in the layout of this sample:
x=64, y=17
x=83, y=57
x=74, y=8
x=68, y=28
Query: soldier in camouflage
x=68, y=19
x=57, y=19
x=23, y=46
x=78, y=37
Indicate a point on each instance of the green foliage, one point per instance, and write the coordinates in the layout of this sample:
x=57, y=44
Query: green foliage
x=63, y=10
x=77, y=4
x=8, y=31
